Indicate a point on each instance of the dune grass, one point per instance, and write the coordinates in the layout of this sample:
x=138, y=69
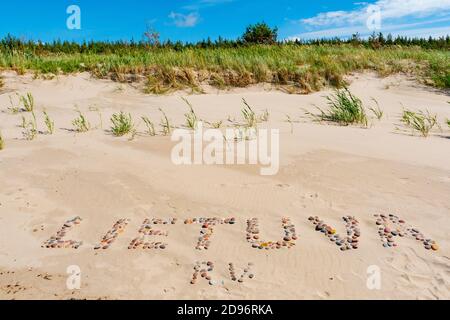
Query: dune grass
x=448, y=122
x=191, y=116
x=2, y=142
x=376, y=110
x=150, y=126
x=303, y=69
x=421, y=121
x=27, y=102
x=30, y=130
x=80, y=123
x=344, y=109
x=122, y=124
x=49, y=123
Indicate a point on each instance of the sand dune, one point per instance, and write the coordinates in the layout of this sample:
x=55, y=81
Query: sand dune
x=326, y=171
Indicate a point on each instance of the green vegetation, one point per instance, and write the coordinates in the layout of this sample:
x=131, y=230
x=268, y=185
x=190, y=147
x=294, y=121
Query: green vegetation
x=448, y=122
x=300, y=67
x=260, y=33
x=165, y=124
x=2, y=142
x=81, y=124
x=249, y=115
x=28, y=102
x=150, y=126
x=421, y=121
x=191, y=116
x=49, y=123
x=344, y=109
x=122, y=124
x=30, y=128
x=377, y=111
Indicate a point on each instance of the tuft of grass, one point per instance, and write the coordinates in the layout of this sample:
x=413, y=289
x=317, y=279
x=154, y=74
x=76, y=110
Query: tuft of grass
x=2, y=142
x=421, y=121
x=13, y=108
x=28, y=102
x=80, y=123
x=30, y=128
x=122, y=124
x=448, y=122
x=344, y=109
x=150, y=126
x=377, y=111
x=265, y=116
x=216, y=125
x=49, y=123
x=165, y=124
x=191, y=116
x=249, y=115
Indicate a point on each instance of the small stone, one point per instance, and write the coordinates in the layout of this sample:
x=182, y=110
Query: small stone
x=435, y=247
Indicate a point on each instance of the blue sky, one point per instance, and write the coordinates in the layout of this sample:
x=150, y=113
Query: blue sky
x=192, y=20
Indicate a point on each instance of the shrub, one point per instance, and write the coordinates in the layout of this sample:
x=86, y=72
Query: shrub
x=260, y=33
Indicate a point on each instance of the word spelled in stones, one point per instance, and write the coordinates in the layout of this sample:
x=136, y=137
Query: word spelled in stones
x=146, y=230
x=345, y=243
x=204, y=241
x=390, y=226
x=57, y=240
x=112, y=234
x=288, y=241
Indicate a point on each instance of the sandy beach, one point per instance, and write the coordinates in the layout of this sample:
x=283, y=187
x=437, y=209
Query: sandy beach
x=325, y=170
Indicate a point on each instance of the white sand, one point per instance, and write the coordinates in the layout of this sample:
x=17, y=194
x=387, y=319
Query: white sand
x=326, y=170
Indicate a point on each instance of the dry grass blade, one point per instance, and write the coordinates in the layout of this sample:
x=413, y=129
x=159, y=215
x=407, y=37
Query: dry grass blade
x=49, y=123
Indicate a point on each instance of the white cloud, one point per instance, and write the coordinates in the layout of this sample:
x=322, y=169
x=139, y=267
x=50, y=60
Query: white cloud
x=185, y=20
x=390, y=9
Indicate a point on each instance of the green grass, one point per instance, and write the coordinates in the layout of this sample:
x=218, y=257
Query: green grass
x=421, y=121
x=49, y=123
x=30, y=128
x=191, y=116
x=302, y=69
x=249, y=115
x=80, y=123
x=344, y=108
x=150, y=126
x=448, y=122
x=165, y=124
x=376, y=110
x=28, y=102
x=2, y=142
x=122, y=124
